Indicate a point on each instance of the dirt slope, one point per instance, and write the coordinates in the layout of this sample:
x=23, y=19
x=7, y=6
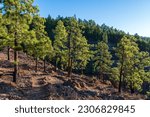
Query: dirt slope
x=51, y=85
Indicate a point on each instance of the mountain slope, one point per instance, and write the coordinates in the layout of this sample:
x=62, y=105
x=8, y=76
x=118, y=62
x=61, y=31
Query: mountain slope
x=51, y=85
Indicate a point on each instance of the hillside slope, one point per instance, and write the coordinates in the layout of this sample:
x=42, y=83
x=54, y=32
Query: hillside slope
x=51, y=85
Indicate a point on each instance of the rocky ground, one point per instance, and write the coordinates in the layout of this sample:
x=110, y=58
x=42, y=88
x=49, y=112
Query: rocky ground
x=52, y=85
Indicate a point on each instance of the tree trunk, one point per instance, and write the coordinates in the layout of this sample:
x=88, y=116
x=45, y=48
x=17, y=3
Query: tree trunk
x=123, y=83
x=36, y=66
x=8, y=53
x=120, y=81
x=44, y=65
x=69, y=59
x=121, y=73
x=102, y=77
x=131, y=89
x=82, y=71
x=56, y=64
x=69, y=67
x=16, y=62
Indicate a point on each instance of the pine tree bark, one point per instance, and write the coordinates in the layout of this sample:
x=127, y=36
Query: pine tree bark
x=123, y=82
x=44, y=62
x=82, y=71
x=69, y=59
x=121, y=73
x=8, y=53
x=120, y=81
x=69, y=67
x=36, y=66
x=56, y=64
x=16, y=62
x=131, y=89
x=101, y=77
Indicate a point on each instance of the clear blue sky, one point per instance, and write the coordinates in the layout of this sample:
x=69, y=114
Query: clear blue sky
x=131, y=16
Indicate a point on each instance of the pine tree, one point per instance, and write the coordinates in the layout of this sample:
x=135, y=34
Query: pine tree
x=60, y=43
x=71, y=47
x=136, y=73
x=3, y=31
x=8, y=41
x=18, y=14
x=125, y=50
x=102, y=57
x=84, y=55
x=131, y=64
x=6, y=32
x=76, y=44
x=40, y=46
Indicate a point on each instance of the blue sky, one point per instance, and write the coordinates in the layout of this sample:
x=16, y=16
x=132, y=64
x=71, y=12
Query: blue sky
x=131, y=16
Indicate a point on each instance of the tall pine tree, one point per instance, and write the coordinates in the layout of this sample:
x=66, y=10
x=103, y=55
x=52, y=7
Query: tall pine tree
x=40, y=46
x=131, y=64
x=102, y=57
x=18, y=14
x=125, y=50
x=76, y=44
x=60, y=43
x=3, y=31
x=84, y=55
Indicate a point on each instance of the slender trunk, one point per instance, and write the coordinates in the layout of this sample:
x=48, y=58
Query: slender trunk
x=8, y=53
x=62, y=66
x=131, y=88
x=120, y=76
x=123, y=82
x=44, y=64
x=121, y=73
x=69, y=67
x=120, y=81
x=36, y=67
x=69, y=59
x=99, y=76
x=102, y=76
x=82, y=71
x=56, y=64
x=16, y=62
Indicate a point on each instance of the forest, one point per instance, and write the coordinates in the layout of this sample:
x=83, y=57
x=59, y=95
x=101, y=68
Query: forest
x=73, y=46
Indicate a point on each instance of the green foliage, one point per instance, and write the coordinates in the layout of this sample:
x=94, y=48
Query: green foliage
x=3, y=31
x=93, y=34
x=71, y=47
x=84, y=54
x=148, y=94
x=50, y=26
x=17, y=15
x=60, y=43
x=131, y=63
x=78, y=49
x=39, y=45
x=114, y=77
x=102, y=57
